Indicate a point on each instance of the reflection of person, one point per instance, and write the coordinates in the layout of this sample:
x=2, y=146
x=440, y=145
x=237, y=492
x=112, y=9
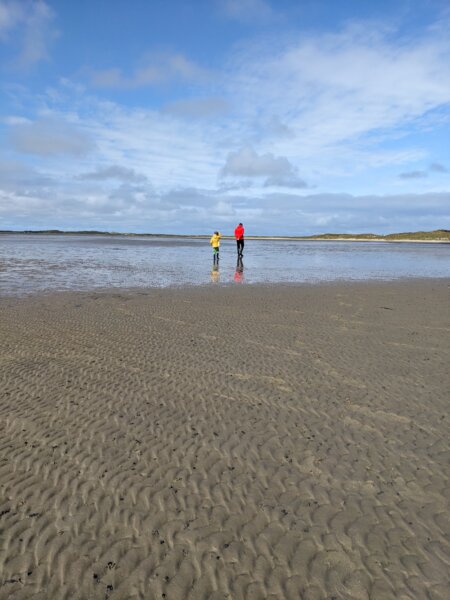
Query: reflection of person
x=215, y=243
x=215, y=275
x=239, y=235
x=239, y=273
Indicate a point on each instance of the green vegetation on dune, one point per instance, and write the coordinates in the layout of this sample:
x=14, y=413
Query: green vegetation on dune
x=438, y=235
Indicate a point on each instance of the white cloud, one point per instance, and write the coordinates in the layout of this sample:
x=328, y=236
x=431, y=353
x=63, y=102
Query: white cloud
x=326, y=103
x=49, y=137
x=276, y=128
x=114, y=172
x=288, y=181
x=155, y=69
x=337, y=90
x=16, y=175
x=321, y=102
x=167, y=150
x=139, y=208
x=247, y=163
x=28, y=22
x=277, y=170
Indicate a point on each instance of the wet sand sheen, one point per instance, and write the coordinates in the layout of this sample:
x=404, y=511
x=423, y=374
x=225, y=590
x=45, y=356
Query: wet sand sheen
x=247, y=442
x=43, y=264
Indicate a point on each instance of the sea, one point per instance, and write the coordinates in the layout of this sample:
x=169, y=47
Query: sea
x=35, y=263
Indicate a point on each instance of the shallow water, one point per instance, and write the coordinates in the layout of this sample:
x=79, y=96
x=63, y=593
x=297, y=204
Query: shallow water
x=32, y=263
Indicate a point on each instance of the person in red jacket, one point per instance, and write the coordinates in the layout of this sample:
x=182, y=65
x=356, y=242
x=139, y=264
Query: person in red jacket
x=239, y=235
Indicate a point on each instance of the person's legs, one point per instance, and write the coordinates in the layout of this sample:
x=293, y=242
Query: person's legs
x=240, y=247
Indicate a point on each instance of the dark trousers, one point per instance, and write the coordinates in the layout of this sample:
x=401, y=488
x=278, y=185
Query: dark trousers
x=240, y=246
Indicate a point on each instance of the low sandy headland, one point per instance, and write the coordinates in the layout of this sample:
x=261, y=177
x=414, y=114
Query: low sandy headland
x=226, y=443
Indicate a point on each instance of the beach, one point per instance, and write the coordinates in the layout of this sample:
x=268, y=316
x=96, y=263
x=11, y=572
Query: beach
x=226, y=442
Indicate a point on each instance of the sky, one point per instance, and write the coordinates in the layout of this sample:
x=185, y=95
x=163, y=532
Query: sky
x=294, y=117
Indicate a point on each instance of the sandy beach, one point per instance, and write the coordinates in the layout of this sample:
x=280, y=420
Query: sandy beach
x=246, y=442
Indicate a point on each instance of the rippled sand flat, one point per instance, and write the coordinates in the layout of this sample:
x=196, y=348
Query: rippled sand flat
x=239, y=443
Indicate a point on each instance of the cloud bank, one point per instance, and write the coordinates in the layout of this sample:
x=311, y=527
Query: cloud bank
x=298, y=133
x=247, y=163
x=50, y=137
x=113, y=172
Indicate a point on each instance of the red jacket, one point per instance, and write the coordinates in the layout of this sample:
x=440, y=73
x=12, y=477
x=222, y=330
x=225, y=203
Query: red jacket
x=239, y=232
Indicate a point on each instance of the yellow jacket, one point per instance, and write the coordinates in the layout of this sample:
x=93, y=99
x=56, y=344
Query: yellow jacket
x=215, y=240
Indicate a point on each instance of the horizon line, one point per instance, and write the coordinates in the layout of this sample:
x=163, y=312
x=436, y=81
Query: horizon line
x=206, y=235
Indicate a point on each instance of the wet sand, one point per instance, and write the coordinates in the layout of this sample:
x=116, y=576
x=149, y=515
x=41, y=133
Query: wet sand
x=240, y=442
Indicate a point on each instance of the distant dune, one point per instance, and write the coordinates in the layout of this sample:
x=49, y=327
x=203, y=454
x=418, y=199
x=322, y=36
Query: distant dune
x=438, y=235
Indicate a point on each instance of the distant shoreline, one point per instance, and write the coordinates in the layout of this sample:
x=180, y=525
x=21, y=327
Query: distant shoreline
x=437, y=237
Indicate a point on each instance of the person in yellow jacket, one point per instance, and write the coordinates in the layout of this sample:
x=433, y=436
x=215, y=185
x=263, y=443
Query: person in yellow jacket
x=215, y=243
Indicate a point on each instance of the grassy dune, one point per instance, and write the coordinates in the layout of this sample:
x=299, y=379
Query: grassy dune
x=438, y=235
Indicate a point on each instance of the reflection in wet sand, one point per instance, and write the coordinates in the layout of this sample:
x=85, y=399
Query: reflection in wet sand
x=239, y=273
x=215, y=273
x=33, y=263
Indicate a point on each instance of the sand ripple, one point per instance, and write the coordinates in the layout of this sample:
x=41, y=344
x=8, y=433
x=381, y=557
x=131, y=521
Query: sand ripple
x=251, y=443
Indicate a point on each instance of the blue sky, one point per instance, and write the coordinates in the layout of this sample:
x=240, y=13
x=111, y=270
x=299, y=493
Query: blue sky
x=294, y=117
